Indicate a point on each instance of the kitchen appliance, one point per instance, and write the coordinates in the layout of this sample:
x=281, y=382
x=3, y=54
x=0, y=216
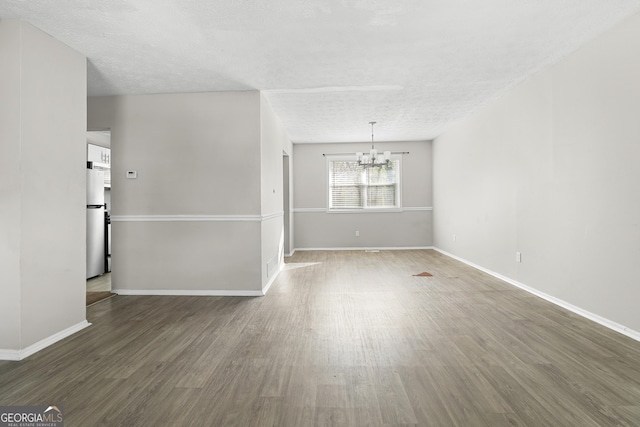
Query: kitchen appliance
x=107, y=227
x=96, y=255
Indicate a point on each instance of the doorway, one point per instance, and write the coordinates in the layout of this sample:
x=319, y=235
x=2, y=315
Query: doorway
x=286, y=208
x=98, y=216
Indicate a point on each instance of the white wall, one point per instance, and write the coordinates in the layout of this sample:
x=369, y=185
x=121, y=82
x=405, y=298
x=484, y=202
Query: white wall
x=315, y=228
x=43, y=110
x=551, y=170
x=207, y=166
x=101, y=138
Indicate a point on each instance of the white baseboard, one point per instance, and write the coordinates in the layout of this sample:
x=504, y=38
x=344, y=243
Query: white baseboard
x=561, y=303
x=273, y=279
x=189, y=292
x=12, y=355
x=372, y=248
x=290, y=254
x=16, y=355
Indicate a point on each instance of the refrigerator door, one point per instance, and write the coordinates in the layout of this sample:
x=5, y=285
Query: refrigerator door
x=95, y=187
x=107, y=220
x=95, y=242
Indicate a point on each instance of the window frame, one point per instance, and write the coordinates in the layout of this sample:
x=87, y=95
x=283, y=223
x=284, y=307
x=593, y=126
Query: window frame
x=364, y=209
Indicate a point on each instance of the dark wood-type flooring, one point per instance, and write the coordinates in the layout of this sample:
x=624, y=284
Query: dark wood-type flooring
x=341, y=339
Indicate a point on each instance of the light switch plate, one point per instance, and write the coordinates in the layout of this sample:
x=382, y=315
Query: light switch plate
x=132, y=174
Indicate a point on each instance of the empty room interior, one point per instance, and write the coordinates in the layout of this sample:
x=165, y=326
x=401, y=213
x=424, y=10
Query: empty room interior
x=320, y=213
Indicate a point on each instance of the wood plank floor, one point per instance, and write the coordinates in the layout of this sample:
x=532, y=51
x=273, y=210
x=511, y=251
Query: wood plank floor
x=342, y=339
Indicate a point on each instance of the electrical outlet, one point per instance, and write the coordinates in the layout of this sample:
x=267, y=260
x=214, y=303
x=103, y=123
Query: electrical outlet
x=518, y=257
x=357, y=233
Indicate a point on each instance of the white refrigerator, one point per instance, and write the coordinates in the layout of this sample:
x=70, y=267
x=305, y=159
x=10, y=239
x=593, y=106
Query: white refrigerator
x=96, y=255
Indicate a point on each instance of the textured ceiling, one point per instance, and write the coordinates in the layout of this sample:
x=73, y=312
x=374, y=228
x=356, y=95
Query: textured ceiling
x=326, y=67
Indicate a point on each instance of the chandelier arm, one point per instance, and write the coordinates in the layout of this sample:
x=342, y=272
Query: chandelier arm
x=351, y=154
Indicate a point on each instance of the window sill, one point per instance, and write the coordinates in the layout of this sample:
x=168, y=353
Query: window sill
x=367, y=210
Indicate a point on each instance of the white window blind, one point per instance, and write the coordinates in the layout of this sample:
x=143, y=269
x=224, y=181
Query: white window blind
x=355, y=187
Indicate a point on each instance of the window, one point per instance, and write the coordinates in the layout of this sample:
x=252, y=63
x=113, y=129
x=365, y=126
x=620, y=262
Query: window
x=355, y=187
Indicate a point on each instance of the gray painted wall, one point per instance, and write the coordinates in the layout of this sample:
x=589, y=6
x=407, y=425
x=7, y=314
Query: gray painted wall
x=273, y=142
x=10, y=184
x=315, y=228
x=42, y=208
x=182, y=145
x=213, y=157
x=551, y=170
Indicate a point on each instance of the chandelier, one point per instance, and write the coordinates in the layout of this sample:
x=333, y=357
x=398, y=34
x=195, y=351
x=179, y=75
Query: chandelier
x=373, y=158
